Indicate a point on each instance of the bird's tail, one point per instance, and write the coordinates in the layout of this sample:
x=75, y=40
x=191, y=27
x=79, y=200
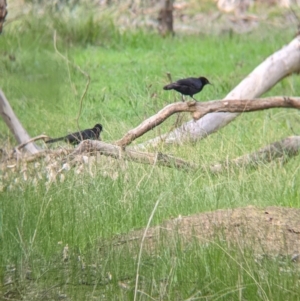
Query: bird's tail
x=55, y=140
x=169, y=87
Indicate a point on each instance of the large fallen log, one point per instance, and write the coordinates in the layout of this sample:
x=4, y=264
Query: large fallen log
x=15, y=125
x=277, y=66
x=281, y=150
x=114, y=151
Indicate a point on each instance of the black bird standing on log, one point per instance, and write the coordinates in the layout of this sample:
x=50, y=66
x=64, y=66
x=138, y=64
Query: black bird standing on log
x=77, y=137
x=188, y=86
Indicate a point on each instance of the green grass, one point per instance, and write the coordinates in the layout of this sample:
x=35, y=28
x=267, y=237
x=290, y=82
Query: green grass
x=84, y=211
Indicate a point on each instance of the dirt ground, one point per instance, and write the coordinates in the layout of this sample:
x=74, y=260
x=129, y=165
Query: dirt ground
x=273, y=230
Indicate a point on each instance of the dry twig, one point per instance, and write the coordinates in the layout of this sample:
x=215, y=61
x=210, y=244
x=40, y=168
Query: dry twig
x=40, y=137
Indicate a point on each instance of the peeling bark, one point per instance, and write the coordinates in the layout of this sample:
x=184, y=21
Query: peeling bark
x=281, y=150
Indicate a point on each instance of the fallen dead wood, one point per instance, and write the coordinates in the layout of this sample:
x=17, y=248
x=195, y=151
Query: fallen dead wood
x=280, y=64
x=199, y=109
x=15, y=125
x=40, y=137
x=114, y=151
x=265, y=76
x=12, y=161
x=283, y=150
x=17, y=154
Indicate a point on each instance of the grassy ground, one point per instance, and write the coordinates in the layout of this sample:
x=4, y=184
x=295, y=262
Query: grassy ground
x=52, y=234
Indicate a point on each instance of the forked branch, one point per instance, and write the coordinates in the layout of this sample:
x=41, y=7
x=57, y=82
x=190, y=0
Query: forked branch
x=282, y=150
x=114, y=151
x=199, y=109
x=273, y=69
x=15, y=126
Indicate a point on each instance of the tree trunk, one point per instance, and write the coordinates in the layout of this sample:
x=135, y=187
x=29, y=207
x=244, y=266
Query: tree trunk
x=281, y=151
x=14, y=124
x=279, y=65
x=165, y=18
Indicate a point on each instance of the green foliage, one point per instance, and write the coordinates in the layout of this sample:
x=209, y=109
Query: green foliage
x=87, y=31
x=85, y=212
x=82, y=213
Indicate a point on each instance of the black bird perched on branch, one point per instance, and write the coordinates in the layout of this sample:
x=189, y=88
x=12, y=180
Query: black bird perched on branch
x=188, y=86
x=77, y=137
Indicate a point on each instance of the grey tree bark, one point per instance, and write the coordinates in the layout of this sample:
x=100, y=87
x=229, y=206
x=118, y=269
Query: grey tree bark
x=14, y=124
x=200, y=109
x=277, y=66
x=165, y=18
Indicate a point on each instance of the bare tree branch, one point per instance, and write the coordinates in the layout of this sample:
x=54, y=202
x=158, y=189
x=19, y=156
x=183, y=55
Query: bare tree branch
x=199, y=109
x=12, y=160
x=277, y=66
x=114, y=151
x=283, y=150
x=14, y=124
x=40, y=137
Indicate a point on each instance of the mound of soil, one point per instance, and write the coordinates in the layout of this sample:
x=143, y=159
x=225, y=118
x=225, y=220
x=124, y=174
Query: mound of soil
x=273, y=230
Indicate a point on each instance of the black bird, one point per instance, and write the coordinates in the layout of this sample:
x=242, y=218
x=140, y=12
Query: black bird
x=77, y=137
x=188, y=86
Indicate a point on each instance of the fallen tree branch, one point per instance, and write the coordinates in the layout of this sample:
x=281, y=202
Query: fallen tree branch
x=114, y=151
x=12, y=161
x=15, y=125
x=280, y=64
x=40, y=137
x=199, y=109
x=283, y=150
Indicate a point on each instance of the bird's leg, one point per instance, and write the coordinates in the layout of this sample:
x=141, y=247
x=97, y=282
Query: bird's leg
x=182, y=98
x=194, y=98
